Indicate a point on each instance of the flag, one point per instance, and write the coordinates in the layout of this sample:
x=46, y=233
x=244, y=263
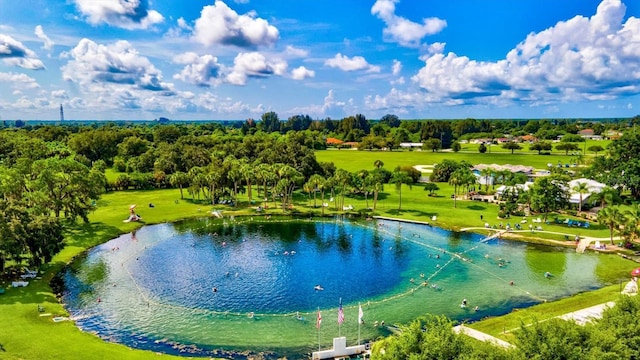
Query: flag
x=318, y=320
x=340, y=313
x=360, y=314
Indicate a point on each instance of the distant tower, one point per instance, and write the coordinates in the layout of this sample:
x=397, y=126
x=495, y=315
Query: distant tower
x=61, y=113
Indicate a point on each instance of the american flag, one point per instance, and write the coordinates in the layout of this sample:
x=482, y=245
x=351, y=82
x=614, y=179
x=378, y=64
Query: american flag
x=340, y=313
x=318, y=320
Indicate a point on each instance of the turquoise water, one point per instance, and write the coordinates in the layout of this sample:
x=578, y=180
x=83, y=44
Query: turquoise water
x=201, y=285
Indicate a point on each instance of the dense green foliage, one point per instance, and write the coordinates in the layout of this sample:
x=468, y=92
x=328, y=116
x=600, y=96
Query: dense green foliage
x=615, y=336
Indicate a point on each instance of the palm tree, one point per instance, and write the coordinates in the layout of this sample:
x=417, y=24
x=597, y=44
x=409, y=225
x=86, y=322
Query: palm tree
x=608, y=196
x=343, y=179
x=456, y=179
x=179, y=180
x=248, y=172
x=581, y=188
x=611, y=216
x=633, y=220
x=400, y=177
x=316, y=182
x=486, y=174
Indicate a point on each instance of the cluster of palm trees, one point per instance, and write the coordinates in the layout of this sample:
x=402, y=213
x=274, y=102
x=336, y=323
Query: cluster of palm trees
x=224, y=179
x=624, y=221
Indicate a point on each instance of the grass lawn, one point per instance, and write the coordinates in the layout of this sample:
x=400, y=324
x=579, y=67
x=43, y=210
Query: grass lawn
x=24, y=334
x=356, y=159
x=504, y=326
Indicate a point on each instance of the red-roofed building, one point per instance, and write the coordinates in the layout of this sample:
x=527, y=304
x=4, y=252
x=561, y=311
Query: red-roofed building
x=334, y=141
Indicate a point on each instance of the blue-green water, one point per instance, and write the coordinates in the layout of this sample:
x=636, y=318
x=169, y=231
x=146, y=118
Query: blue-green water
x=207, y=284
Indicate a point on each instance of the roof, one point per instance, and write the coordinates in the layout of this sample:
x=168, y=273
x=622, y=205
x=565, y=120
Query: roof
x=512, y=168
x=334, y=141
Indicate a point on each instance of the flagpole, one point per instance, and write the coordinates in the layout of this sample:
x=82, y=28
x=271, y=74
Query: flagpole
x=359, y=321
x=318, y=320
x=339, y=321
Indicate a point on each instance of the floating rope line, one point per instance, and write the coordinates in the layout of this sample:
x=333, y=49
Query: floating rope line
x=232, y=221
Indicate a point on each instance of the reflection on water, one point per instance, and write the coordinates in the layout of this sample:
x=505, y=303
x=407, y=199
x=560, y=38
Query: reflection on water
x=239, y=284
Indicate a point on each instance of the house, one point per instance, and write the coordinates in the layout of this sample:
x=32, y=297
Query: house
x=593, y=187
x=409, y=145
x=613, y=134
x=334, y=142
x=528, y=138
x=589, y=134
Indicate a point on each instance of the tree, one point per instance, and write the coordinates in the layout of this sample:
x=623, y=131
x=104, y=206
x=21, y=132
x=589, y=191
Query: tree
x=595, y=149
x=541, y=146
x=316, y=183
x=612, y=217
x=581, y=188
x=455, y=146
x=377, y=180
x=431, y=337
x=549, y=194
x=399, y=178
x=378, y=164
x=390, y=120
x=432, y=144
x=567, y=147
x=511, y=145
x=343, y=179
x=68, y=186
x=431, y=188
x=179, y=180
x=482, y=148
x=458, y=178
x=270, y=122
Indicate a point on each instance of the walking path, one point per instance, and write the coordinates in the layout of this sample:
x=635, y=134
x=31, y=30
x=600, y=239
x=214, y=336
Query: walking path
x=581, y=317
x=461, y=329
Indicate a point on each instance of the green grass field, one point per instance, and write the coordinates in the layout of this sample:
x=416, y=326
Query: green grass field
x=25, y=334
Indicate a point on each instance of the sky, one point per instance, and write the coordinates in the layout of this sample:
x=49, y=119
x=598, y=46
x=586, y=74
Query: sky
x=237, y=59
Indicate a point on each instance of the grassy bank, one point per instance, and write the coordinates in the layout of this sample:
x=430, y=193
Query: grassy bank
x=25, y=334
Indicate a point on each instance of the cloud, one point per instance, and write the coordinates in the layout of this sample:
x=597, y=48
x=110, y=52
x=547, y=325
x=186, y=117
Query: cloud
x=219, y=24
x=397, y=67
x=402, y=31
x=127, y=14
x=301, y=73
x=19, y=81
x=199, y=70
x=254, y=64
x=295, y=52
x=59, y=94
x=39, y=32
x=117, y=63
x=13, y=52
x=345, y=63
x=596, y=58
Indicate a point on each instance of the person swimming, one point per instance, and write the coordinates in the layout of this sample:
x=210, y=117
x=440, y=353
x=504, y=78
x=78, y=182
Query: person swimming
x=318, y=288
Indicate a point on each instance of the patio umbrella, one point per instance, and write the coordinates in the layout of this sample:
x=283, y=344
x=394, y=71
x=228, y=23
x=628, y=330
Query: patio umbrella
x=132, y=207
x=635, y=272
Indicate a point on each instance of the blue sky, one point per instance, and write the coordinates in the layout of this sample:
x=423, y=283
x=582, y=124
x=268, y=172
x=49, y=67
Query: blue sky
x=418, y=59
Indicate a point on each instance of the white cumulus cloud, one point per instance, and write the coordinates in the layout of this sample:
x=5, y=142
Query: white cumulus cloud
x=19, y=80
x=596, y=58
x=301, y=73
x=345, y=63
x=13, y=52
x=219, y=24
x=403, y=31
x=117, y=63
x=199, y=70
x=39, y=32
x=127, y=14
x=254, y=64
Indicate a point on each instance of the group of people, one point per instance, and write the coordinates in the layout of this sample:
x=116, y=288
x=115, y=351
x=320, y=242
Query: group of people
x=464, y=304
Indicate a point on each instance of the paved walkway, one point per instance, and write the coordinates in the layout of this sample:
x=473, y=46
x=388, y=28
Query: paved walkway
x=584, y=316
x=581, y=317
x=461, y=329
